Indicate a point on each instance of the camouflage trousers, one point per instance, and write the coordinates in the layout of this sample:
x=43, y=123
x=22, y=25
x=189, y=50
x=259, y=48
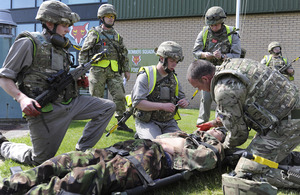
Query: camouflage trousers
x=276, y=145
x=95, y=171
x=98, y=77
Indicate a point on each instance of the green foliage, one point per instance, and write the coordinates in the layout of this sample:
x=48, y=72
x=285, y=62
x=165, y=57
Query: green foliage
x=206, y=183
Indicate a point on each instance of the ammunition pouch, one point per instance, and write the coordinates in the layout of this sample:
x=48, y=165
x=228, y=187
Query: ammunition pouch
x=144, y=116
x=239, y=186
x=259, y=118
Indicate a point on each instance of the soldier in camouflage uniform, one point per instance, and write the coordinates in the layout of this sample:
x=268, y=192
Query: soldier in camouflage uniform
x=32, y=59
x=214, y=44
x=156, y=102
x=109, y=70
x=276, y=61
x=251, y=96
x=102, y=171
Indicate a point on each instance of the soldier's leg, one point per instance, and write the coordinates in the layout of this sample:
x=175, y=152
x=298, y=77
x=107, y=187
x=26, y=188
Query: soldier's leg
x=61, y=165
x=147, y=130
x=97, y=81
x=275, y=146
x=204, y=109
x=170, y=126
x=117, y=91
x=46, y=132
x=99, y=110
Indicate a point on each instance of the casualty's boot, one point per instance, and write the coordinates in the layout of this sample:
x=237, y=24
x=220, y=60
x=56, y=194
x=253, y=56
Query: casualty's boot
x=124, y=127
x=2, y=139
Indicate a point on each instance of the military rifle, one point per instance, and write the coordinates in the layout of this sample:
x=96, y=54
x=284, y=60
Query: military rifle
x=125, y=117
x=283, y=69
x=290, y=174
x=59, y=81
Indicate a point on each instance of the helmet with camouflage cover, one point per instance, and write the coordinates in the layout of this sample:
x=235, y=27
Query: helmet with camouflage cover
x=273, y=45
x=215, y=15
x=106, y=9
x=170, y=49
x=57, y=13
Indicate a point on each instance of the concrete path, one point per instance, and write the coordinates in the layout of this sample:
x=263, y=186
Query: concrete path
x=14, y=129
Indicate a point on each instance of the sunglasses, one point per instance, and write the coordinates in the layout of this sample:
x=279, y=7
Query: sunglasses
x=110, y=16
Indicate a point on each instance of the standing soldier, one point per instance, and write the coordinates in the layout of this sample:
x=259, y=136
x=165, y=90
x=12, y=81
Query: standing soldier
x=157, y=94
x=32, y=59
x=276, y=61
x=109, y=70
x=215, y=43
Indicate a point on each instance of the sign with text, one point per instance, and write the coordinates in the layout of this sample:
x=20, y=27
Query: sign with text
x=141, y=57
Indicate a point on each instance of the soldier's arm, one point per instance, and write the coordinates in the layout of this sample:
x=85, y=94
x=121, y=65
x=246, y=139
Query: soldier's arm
x=230, y=100
x=198, y=46
x=19, y=57
x=263, y=61
x=235, y=51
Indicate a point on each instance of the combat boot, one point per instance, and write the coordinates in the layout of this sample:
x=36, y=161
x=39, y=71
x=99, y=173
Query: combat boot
x=2, y=139
x=124, y=127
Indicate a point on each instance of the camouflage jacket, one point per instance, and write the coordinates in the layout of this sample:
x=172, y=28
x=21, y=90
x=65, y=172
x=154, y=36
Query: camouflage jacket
x=251, y=95
x=101, y=171
x=231, y=50
x=96, y=42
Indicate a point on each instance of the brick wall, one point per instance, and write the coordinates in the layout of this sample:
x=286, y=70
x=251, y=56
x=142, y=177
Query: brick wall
x=256, y=32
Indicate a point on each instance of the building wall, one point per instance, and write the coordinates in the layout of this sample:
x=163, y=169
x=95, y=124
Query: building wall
x=256, y=32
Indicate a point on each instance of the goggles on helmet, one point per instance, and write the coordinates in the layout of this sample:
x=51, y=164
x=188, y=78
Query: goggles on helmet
x=214, y=17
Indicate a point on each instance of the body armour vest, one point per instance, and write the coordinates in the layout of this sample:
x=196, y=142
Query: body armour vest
x=275, y=63
x=107, y=42
x=270, y=96
x=47, y=60
x=213, y=39
x=164, y=91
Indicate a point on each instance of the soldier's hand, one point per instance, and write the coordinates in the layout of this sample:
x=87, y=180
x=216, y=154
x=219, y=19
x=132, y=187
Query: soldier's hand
x=29, y=106
x=168, y=107
x=127, y=75
x=183, y=103
x=217, y=54
x=208, y=55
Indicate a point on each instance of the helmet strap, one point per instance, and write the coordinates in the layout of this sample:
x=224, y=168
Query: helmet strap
x=105, y=24
x=165, y=65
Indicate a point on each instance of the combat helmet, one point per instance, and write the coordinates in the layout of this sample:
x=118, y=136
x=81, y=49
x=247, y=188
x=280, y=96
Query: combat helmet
x=170, y=49
x=106, y=9
x=57, y=13
x=273, y=45
x=215, y=15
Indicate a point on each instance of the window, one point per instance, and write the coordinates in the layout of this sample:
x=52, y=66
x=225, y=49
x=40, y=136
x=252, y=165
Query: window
x=70, y=2
x=25, y=27
x=22, y=3
x=5, y=4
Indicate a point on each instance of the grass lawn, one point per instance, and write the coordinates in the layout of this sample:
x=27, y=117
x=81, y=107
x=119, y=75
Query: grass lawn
x=199, y=183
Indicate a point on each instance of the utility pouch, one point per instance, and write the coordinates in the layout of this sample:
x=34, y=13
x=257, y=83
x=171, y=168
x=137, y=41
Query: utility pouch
x=165, y=93
x=260, y=118
x=144, y=116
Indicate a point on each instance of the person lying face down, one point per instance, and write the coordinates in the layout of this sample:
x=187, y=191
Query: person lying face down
x=102, y=171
